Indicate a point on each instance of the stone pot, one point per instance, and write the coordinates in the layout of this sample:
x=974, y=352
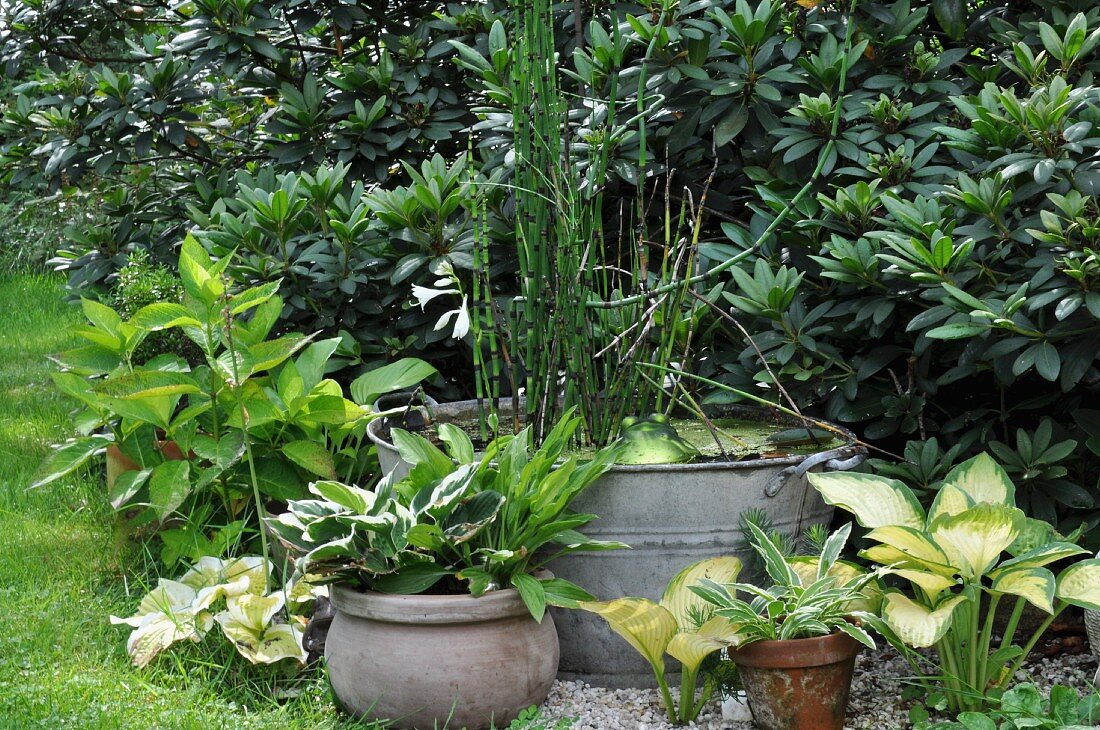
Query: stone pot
x=671, y=515
x=798, y=684
x=429, y=662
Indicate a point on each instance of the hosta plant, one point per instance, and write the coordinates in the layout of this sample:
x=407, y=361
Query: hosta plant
x=699, y=612
x=1025, y=707
x=263, y=627
x=971, y=550
x=459, y=522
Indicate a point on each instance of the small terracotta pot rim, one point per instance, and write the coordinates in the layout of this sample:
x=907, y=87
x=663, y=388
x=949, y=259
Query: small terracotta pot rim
x=815, y=651
x=430, y=609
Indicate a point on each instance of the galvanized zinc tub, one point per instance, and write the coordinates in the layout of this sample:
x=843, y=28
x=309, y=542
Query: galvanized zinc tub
x=671, y=515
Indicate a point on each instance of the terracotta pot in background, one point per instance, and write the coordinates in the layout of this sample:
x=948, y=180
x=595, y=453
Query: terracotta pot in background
x=118, y=462
x=419, y=660
x=798, y=684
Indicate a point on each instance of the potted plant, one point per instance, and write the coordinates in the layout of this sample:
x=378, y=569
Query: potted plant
x=439, y=587
x=243, y=425
x=794, y=642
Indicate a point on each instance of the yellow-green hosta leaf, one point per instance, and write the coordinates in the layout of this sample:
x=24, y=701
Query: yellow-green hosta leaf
x=247, y=623
x=684, y=605
x=932, y=584
x=1045, y=555
x=647, y=626
x=214, y=578
x=690, y=648
x=974, y=540
x=875, y=501
x=303, y=590
x=1079, y=584
x=166, y=614
x=844, y=573
x=983, y=480
x=890, y=555
x=158, y=631
x=1034, y=584
x=914, y=543
x=917, y=625
x=168, y=597
x=950, y=500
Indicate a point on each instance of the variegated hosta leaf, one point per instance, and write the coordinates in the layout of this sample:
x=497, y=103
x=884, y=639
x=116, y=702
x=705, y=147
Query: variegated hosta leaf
x=917, y=625
x=214, y=578
x=1034, y=584
x=303, y=589
x=158, y=631
x=875, y=501
x=247, y=623
x=914, y=543
x=889, y=555
x=647, y=626
x=1079, y=584
x=974, y=540
x=167, y=614
x=932, y=584
x=168, y=597
x=690, y=648
x=843, y=572
x=950, y=500
x=684, y=605
x=983, y=480
x=1045, y=555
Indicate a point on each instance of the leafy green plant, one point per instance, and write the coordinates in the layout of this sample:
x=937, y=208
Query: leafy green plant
x=253, y=419
x=1024, y=706
x=475, y=522
x=178, y=610
x=952, y=556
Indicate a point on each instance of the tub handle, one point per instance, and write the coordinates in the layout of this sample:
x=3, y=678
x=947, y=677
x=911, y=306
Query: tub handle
x=841, y=459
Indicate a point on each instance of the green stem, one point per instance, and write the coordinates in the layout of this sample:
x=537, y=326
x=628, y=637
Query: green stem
x=687, y=694
x=987, y=636
x=1013, y=622
x=670, y=706
x=1062, y=606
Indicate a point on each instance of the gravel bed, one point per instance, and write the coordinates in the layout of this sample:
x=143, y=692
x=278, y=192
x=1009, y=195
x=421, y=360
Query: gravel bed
x=875, y=703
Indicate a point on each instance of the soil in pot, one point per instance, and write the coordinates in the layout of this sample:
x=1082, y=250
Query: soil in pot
x=798, y=684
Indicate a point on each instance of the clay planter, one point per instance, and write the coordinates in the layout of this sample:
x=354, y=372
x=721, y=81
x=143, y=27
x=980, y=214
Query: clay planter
x=798, y=684
x=118, y=462
x=419, y=660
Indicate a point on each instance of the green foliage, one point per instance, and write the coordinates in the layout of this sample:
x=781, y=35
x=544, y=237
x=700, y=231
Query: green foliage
x=953, y=557
x=478, y=522
x=249, y=421
x=1024, y=706
x=139, y=283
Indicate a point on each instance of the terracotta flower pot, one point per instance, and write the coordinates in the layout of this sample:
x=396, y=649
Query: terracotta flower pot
x=419, y=660
x=798, y=684
x=118, y=462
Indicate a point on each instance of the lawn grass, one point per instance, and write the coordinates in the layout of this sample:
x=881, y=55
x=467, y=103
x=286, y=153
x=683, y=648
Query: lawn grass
x=63, y=572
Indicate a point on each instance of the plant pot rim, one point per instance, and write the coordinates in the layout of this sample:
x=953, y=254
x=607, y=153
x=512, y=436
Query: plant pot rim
x=815, y=651
x=424, y=608
x=848, y=450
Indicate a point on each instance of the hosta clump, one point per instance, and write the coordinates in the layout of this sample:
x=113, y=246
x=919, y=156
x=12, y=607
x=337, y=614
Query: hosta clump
x=459, y=522
x=263, y=627
x=1024, y=707
x=953, y=555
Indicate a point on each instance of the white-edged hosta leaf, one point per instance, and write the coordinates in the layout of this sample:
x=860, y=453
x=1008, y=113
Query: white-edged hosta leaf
x=168, y=597
x=983, y=480
x=158, y=631
x=874, y=501
x=917, y=625
x=843, y=572
x=1034, y=584
x=247, y=622
x=646, y=626
x=690, y=648
x=681, y=602
x=1079, y=584
x=214, y=578
x=858, y=633
x=974, y=540
x=950, y=500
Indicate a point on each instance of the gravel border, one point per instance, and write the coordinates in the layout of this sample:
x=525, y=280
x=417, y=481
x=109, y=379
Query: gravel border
x=875, y=704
